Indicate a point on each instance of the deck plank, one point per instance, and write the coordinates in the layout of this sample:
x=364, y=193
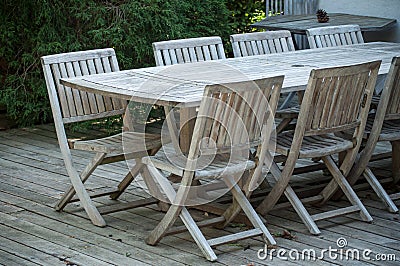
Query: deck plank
x=356, y=238
x=128, y=232
x=41, y=251
x=10, y=259
x=33, y=177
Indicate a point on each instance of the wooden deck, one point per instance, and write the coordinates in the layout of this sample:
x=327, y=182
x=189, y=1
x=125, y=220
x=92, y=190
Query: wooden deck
x=32, y=178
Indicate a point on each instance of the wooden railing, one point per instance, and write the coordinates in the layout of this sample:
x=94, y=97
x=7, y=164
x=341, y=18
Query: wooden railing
x=292, y=7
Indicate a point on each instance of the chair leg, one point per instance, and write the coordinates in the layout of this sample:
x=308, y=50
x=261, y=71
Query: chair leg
x=248, y=209
x=234, y=209
x=379, y=190
x=396, y=160
x=287, y=100
x=131, y=175
x=283, y=124
x=167, y=221
x=296, y=203
x=301, y=211
x=127, y=180
x=154, y=190
x=83, y=177
x=230, y=213
x=277, y=190
x=82, y=194
x=172, y=213
x=345, y=186
x=170, y=217
x=197, y=235
x=88, y=205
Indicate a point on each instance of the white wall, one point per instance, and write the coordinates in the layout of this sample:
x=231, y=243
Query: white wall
x=374, y=8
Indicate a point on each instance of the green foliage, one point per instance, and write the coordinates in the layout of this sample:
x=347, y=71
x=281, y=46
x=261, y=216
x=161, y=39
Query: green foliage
x=244, y=13
x=30, y=29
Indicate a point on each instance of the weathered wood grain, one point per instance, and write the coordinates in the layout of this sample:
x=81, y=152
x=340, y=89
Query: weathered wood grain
x=184, y=83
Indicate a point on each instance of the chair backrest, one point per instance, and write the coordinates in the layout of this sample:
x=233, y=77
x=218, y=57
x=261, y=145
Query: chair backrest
x=393, y=85
x=233, y=116
x=74, y=105
x=334, y=36
x=388, y=109
x=188, y=50
x=338, y=98
x=256, y=43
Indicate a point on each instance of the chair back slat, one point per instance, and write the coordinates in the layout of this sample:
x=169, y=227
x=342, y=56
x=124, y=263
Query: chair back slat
x=232, y=116
x=258, y=43
x=393, y=107
x=82, y=70
x=188, y=50
x=335, y=97
x=334, y=36
x=83, y=96
x=76, y=105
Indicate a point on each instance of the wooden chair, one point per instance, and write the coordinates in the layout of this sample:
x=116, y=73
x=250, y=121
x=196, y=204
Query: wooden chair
x=257, y=43
x=325, y=37
x=329, y=106
x=337, y=36
x=383, y=125
x=231, y=119
x=70, y=105
x=334, y=36
x=188, y=50
x=182, y=51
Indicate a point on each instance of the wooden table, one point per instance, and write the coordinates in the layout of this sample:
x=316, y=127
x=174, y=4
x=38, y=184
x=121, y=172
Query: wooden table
x=183, y=85
x=300, y=23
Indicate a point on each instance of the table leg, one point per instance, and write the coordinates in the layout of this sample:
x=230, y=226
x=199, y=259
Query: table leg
x=187, y=120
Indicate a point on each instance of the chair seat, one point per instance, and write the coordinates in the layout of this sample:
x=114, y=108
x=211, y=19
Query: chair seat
x=313, y=146
x=208, y=166
x=290, y=112
x=375, y=100
x=390, y=129
x=112, y=145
